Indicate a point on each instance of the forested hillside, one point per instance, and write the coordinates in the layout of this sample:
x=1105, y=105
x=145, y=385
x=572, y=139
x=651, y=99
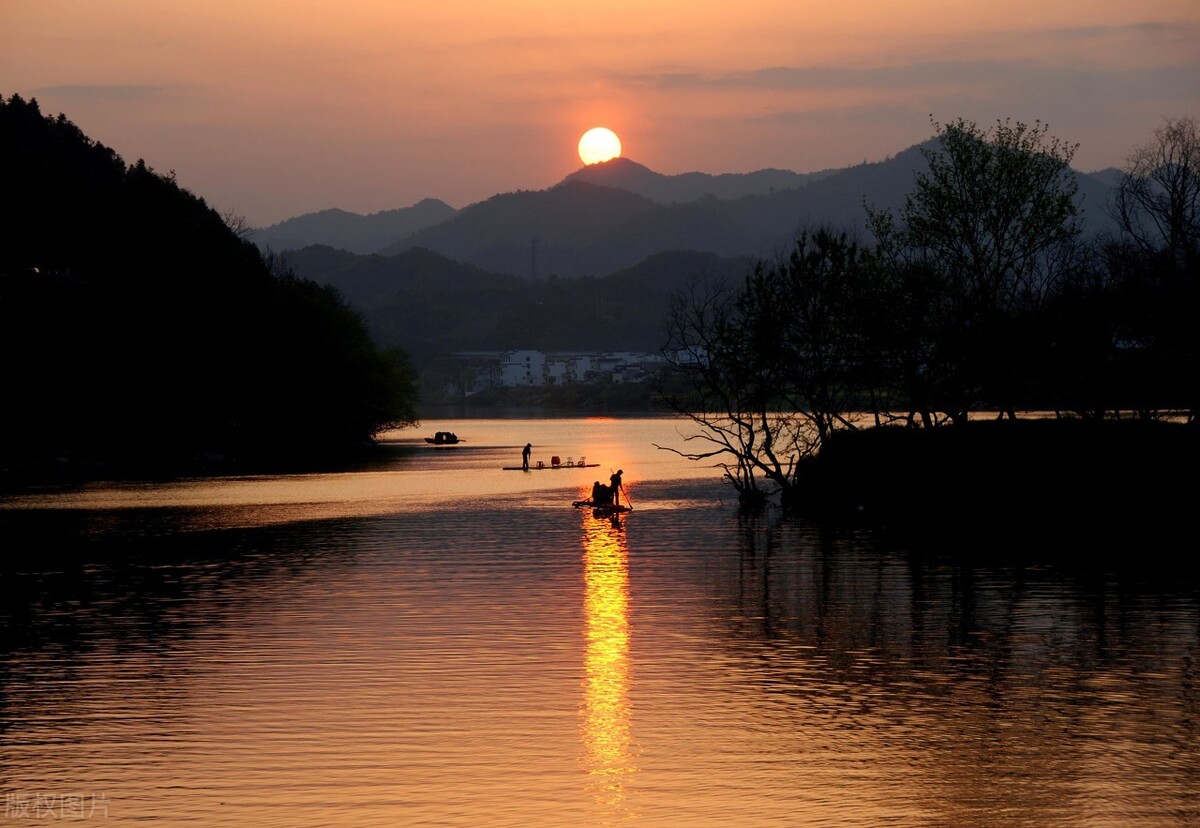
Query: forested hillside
x=141, y=333
x=431, y=306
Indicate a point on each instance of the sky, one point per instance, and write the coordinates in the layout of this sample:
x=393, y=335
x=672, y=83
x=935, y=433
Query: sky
x=270, y=109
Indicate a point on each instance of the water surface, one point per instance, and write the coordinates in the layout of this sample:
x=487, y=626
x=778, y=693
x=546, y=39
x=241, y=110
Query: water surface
x=434, y=641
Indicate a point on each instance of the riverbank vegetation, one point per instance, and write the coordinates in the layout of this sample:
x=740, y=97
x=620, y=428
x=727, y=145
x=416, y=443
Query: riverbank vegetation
x=141, y=332
x=1063, y=486
x=980, y=295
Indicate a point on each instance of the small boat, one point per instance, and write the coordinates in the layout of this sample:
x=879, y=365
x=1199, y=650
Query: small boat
x=444, y=438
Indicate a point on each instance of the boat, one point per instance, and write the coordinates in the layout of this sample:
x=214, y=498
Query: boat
x=603, y=509
x=555, y=463
x=444, y=438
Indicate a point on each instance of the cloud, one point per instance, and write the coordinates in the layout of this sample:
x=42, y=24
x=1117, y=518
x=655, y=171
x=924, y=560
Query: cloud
x=883, y=77
x=103, y=92
x=957, y=73
x=1137, y=56
x=878, y=115
x=1151, y=29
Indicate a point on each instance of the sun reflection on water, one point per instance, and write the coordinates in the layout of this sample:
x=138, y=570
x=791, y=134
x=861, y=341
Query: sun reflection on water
x=605, y=711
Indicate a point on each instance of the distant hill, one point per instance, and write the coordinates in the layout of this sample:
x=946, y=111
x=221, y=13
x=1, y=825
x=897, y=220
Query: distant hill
x=352, y=231
x=577, y=228
x=376, y=231
x=143, y=335
x=430, y=306
x=626, y=174
x=1110, y=176
x=582, y=266
x=609, y=217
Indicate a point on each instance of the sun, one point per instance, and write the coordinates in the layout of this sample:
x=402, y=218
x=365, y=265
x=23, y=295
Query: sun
x=599, y=144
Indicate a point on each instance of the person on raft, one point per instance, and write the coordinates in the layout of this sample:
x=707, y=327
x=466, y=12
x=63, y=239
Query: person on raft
x=614, y=487
x=601, y=494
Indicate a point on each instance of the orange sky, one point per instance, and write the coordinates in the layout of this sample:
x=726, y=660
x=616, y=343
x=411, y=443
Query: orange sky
x=270, y=109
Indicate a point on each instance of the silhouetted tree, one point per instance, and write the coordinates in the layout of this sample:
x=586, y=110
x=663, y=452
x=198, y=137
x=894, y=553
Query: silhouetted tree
x=914, y=351
x=991, y=218
x=770, y=364
x=1155, y=265
x=1156, y=204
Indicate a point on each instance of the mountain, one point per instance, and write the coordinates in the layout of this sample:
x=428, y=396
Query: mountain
x=369, y=281
x=626, y=174
x=352, y=231
x=583, y=266
x=1110, y=176
x=579, y=229
x=608, y=217
x=142, y=334
x=372, y=233
x=430, y=306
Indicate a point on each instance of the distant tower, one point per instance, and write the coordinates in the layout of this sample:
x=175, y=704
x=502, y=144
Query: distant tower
x=533, y=269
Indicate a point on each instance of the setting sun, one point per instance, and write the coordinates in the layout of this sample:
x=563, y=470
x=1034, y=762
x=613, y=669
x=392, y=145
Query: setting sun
x=599, y=144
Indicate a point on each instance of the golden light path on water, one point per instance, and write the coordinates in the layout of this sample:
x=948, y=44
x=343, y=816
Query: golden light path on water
x=606, y=711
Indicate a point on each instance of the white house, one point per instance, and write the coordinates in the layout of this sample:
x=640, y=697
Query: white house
x=528, y=367
x=523, y=368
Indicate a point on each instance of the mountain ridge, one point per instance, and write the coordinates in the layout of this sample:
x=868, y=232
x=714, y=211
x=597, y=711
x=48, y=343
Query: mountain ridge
x=586, y=226
x=627, y=174
x=355, y=232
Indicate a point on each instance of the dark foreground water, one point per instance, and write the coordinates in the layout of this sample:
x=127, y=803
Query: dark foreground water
x=434, y=641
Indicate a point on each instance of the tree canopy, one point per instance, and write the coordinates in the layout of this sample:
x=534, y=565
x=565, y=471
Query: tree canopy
x=991, y=223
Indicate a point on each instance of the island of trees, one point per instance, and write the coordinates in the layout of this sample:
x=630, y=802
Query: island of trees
x=142, y=332
x=978, y=296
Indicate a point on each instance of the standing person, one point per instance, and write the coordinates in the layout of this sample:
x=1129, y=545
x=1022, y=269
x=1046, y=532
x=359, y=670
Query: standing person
x=525, y=456
x=614, y=486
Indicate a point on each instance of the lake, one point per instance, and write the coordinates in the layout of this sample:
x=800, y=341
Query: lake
x=427, y=639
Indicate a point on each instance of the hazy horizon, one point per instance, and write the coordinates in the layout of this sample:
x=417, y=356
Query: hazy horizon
x=268, y=112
